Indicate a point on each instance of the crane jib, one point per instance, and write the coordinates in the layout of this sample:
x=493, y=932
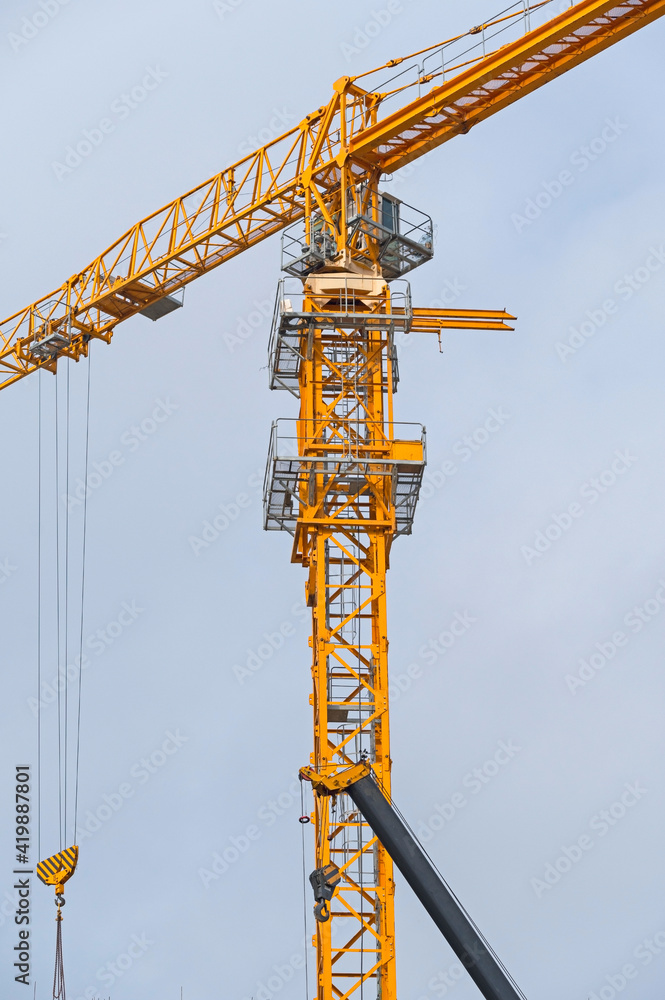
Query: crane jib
x=261, y=194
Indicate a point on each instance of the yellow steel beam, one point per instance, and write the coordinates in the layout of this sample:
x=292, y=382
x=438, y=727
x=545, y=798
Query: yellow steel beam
x=432, y=320
x=500, y=79
x=331, y=784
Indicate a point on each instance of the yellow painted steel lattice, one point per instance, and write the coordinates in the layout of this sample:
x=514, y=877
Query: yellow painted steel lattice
x=364, y=131
x=343, y=478
x=343, y=536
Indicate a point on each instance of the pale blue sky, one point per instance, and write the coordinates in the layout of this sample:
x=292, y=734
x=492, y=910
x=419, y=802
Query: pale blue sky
x=222, y=78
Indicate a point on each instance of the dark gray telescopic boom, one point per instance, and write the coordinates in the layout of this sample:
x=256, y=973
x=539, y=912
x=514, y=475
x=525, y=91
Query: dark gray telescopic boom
x=432, y=892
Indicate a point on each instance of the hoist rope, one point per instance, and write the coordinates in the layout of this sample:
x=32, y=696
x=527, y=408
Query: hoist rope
x=69, y=742
x=304, y=888
x=39, y=614
x=57, y=608
x=66, y=620
x=59, y=972
x=68, y=724
x=361, y=837
x=80, y=660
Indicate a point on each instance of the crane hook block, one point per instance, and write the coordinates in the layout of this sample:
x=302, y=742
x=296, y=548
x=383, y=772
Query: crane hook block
x=58, y=868
x=324, y=882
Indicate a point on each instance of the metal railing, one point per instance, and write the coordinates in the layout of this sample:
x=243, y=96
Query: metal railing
x=343, y=457
x=342, y=304
x=340, y=440
x=439, y=63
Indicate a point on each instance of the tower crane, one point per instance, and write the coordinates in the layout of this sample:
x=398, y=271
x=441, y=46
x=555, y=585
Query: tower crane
x=343, y=477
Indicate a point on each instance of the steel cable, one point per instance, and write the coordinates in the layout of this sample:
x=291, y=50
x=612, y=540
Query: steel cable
x=66, y=620
x=62, y=470
x=80, y=659
x=39, y=614
x=304, y=888
x=57, y=612
x=59, y=992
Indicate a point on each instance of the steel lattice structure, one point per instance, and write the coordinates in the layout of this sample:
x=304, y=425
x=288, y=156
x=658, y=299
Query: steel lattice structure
x=343, y=483
x=364, y=131
x=343, y=477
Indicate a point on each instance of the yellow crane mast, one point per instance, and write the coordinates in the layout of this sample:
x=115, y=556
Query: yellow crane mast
x=341, y=481
x=343, y=477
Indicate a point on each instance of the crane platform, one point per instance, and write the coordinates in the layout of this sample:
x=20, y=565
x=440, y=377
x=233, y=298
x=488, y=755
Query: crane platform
x=331, y=302
x=357, y=465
